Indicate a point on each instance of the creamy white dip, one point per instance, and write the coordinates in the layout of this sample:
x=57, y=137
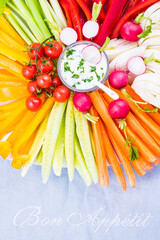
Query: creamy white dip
x=77, y=72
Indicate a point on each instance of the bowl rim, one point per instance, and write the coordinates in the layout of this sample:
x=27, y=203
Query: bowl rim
x=59, y=67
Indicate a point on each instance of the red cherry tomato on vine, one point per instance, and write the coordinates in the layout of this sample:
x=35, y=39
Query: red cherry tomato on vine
x=53, y=50
x=44, y=80
x=33, y=51
x=33, y=87
x=61, y=93
x=56, y=81
x=33, y=103
x=45, y=65
x=29, y=71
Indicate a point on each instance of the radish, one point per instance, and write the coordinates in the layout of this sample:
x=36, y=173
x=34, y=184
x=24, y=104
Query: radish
x=118, y=109
x=136, y=65
x=82, y=102
x=90, y=29
x=68, y=36
x=130, y=31
x=91, y=54
x=118, y=79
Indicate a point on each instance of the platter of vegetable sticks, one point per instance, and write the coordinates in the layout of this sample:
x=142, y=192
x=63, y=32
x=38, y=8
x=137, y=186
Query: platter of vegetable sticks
x=80, y=87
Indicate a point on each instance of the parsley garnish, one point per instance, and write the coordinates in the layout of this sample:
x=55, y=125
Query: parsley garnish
x=75, y=76
x=67, y=67
x=70, y=52
x=93, y=69
x=88, y=79
x=74, y=85
x=81, y=66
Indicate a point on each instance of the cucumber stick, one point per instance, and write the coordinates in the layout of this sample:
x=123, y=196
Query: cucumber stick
x=81, y=165
x=85, y=143
x=52, y=132
x=39, y=157
x=59, y=151
x=69, y=137
x=37, y=144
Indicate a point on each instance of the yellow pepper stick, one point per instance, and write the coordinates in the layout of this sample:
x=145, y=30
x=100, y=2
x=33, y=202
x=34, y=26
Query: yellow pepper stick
x=17, y=163
x=12, y=105
x=8, y=77
x=7, y=28
x=11, y=84
x=11, y=93
x=6, y=39
x=11, y=66
x=32, y=125
x=5, y=146
x=14, y=54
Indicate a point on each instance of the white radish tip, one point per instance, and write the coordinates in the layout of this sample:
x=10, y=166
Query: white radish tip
x=68, y=36
x=91, y=54
x=90, y=29
x=136, y=65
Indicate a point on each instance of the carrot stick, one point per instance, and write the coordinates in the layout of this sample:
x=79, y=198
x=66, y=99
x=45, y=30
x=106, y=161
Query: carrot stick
x=111, y=157
x=99, y=151
x=111, y=126
x=135, y=96
x=156, y=162
x=133, y=123
x=145, y=164
x=142, y=115
x=124, y=160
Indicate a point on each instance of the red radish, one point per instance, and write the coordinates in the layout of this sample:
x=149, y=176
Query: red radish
x=130, y=31
x=136, y=65
x=118, y=79
x=92, y=54
x=68, y=36
x=118, y=109
x=90, y=29
x=82, y=102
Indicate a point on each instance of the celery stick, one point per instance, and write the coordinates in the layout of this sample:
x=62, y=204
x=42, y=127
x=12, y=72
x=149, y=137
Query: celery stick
x=38, y=141
x=13, y=21
x=59, y=151
x=91, y=137
x=81, y=165
x=55, y=18
x=36, y=13
x=25, y=12
x=59, y=12
x=52, y=132
x=85, y=143
x=39, y=157
x=69, y=137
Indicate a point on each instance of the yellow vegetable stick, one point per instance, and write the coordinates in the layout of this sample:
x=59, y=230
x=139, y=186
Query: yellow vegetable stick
x=7, y=28
x=12, y=105
x=6, y=39
x=8, y=77
x=32, y=125
x=11, y=93
x=11, y=84
x=11, y=66
x=14, y=54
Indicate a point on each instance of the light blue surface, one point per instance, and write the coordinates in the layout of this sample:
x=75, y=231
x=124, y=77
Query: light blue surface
x=75, y=212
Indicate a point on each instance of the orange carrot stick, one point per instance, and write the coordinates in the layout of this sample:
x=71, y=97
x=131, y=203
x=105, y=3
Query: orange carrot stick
x=111, y=126
x=124, y=160
x=145, y=164
x=99, y=151
x=133, y=123
x=111, y=157
x=135, y=96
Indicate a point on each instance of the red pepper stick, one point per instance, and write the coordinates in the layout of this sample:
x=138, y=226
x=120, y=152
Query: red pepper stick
x=85, y=9
x=110, y=20
x=130, y=4
x=65, y=7
x=73, y=8
x=129, y=15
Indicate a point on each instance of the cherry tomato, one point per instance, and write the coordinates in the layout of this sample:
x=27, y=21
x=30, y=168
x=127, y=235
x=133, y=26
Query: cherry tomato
x=33, y=87
x=44, y=80
x=33, y=51
x=61, y=93
x=56, y=81
x=45, y=65
x=29, y=71
x=53, y=50
x=33, y=103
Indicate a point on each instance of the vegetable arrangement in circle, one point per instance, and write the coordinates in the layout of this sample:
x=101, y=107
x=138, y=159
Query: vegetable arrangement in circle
x=46, y=123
